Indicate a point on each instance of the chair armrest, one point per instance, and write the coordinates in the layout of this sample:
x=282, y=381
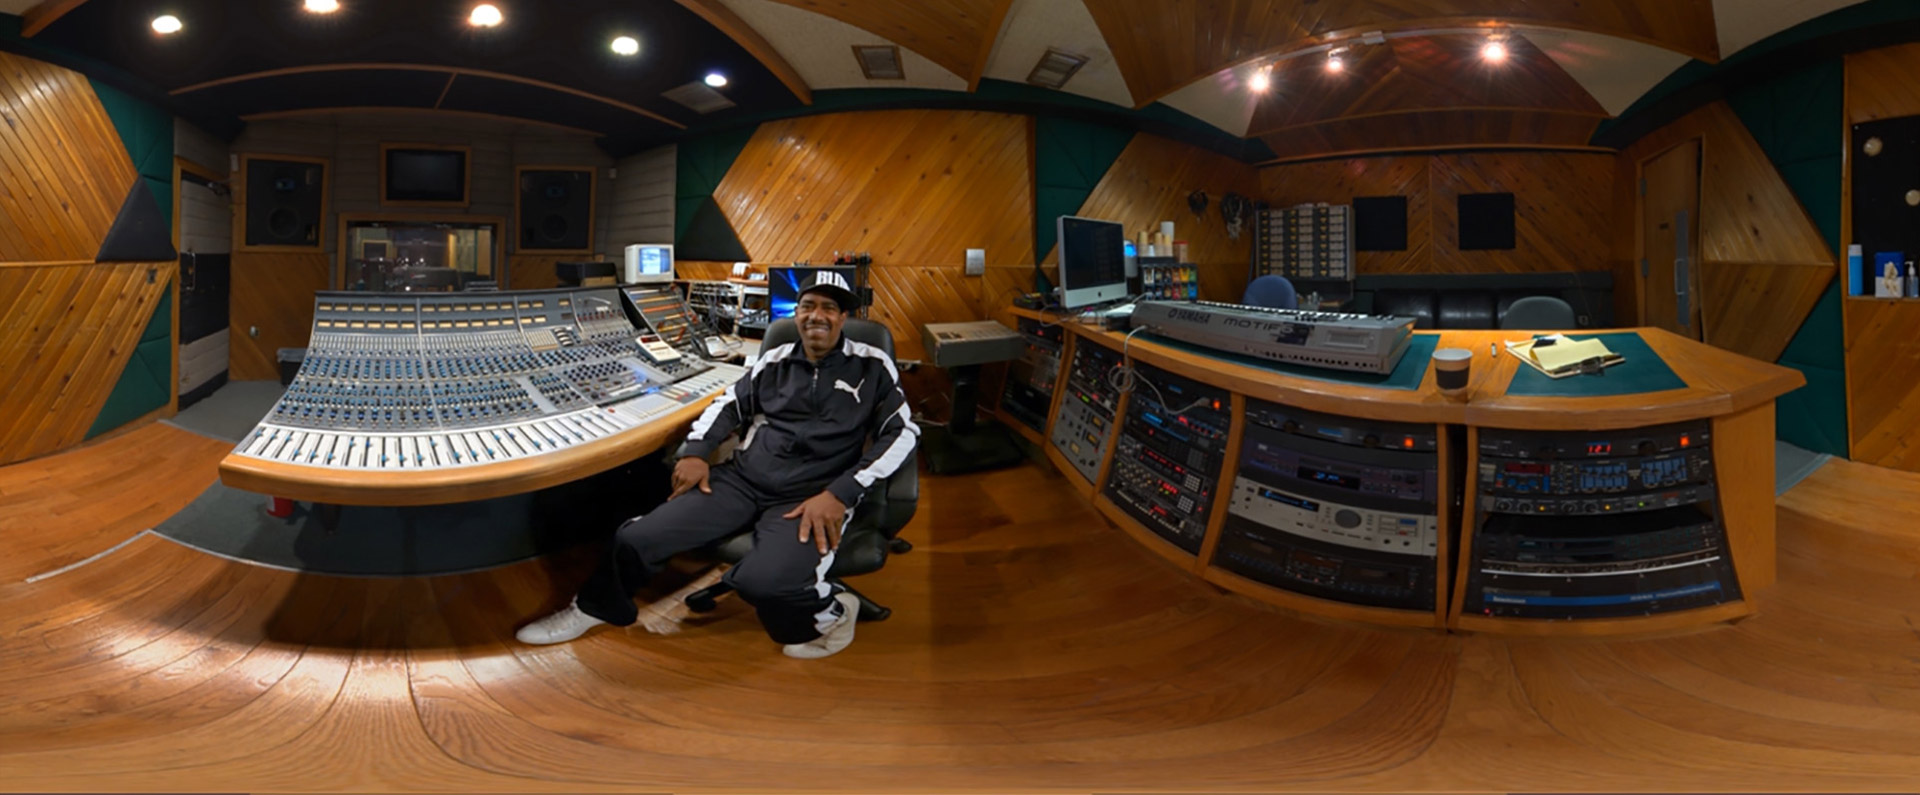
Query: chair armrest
x=902, y=495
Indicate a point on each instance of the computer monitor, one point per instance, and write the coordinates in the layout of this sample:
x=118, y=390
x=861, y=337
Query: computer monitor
x=648, y=264
x=783, y=284
x=1093, y=267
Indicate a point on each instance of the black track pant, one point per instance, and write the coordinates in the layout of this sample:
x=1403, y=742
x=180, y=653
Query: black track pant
x=784, y=579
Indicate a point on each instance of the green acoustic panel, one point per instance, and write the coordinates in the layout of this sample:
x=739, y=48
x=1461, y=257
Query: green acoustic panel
x=708, y=236
x=1794, y=119
x=147, y=381
x=147, y=133
x=700, y=163
x=1069, y=159
x=1815, y=416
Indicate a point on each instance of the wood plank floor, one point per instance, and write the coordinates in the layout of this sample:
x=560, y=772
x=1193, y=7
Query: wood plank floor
x=1032, y=648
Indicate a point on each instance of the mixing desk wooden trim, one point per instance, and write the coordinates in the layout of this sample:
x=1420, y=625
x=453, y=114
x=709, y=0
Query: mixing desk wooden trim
x=1729, y=394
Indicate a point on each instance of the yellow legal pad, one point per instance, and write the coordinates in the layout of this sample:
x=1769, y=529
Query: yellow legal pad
x=1563, y=357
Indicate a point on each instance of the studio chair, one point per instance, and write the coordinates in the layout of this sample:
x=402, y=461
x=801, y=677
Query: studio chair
x=1272, y=292
x=1538, y=313
x=874, y=531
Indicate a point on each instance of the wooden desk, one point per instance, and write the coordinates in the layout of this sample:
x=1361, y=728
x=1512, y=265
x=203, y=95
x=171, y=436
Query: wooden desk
x=1733, y=392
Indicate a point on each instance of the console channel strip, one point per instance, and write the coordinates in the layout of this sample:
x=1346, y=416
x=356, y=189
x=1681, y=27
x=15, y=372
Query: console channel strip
x=667, y=314
x=1166, y=465
x=1597, y=525
x=405, y=382
x=1335, y=508
x=1083, y=431
x=1030, y=378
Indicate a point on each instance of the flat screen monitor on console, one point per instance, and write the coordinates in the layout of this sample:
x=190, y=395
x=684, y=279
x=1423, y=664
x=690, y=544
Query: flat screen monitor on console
x=1093, y=266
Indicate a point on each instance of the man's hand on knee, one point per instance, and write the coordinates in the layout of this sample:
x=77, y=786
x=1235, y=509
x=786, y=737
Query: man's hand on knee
x=690, y=472
x=820, y=520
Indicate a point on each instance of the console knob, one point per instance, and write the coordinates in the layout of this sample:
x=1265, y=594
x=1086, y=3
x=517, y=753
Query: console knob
x=1346, y=518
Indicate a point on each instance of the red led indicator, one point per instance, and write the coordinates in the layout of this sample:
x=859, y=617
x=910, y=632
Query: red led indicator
x=1684, y=440
x=1409, y=443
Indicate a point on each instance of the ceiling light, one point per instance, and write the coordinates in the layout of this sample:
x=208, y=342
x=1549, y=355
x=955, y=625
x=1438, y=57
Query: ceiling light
x=322, y=6
x=626, y=45
x=484, y=15
x=1260, y=80
x=166, y=23
x=716, y=79
x=1334, y=62
x=1495, y=51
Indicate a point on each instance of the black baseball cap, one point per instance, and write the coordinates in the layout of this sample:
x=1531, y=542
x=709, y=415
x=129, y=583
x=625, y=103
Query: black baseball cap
x=833, y=285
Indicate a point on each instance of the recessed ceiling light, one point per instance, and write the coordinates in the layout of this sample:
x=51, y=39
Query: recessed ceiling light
x=1260, y=81
x=484, y=15
x=1335, y=63
x=322, y=6
x=716, y=79
x=1495, y=51
x=166, y=23
x=626, y=45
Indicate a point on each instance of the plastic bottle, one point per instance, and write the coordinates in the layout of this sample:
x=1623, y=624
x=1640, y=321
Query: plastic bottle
x=1857, y=277
x=1913, y=282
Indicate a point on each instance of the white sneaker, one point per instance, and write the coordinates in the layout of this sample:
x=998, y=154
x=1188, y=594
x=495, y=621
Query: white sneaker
x=567, y=624
x=836, y=637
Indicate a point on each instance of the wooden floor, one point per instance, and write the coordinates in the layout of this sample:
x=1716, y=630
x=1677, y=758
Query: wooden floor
x=1031, y=648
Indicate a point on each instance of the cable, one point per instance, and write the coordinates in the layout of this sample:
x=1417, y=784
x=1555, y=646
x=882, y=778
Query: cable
x=1122, y=377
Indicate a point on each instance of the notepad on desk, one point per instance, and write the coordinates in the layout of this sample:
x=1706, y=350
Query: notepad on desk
x=1559, y=357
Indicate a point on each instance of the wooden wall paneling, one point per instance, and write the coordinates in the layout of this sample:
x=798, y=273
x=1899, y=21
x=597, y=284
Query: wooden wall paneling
x=904, y=298
x=536, y=271
x=697, y=269
x=1879, y=84
x=271, y=308
x=63, y=171
x=1744, y=476
x=1341, y=181
x=1743, y=305
x=70, y=329
x=1428, y=130
x=1150, y=183
x=1883, y=399
x=911, y=187
x=1562, y=216
x=1211, y=35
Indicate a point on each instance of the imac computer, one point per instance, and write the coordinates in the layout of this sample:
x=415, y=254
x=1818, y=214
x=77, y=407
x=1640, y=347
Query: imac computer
x=1093, y=267
x=648, y=264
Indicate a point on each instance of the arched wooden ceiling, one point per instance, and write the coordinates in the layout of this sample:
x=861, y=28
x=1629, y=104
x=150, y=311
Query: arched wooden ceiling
x=1163, y=45
x=956, y=34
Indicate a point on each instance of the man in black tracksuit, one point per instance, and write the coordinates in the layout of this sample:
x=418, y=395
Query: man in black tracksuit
x=805, y=410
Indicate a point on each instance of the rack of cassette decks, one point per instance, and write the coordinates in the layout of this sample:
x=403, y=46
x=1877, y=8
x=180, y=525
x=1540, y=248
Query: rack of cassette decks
x=1310, y=244
x=1601, y=525
x=394, y=385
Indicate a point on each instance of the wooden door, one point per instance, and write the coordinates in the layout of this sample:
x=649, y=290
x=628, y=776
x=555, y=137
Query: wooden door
x=1670, y=240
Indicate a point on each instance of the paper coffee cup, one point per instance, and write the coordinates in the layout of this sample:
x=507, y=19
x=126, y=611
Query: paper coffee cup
x=1451, y=367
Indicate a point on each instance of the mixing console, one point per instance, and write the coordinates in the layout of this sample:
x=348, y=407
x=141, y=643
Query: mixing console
x=1548, y=548
x=427, y=381
x=1336, y=508
x=1030, y=379
x=666, y=313
x=1084, y=429
x=1166, y=466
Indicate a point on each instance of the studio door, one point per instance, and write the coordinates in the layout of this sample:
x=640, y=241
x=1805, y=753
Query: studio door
x=1670, y=240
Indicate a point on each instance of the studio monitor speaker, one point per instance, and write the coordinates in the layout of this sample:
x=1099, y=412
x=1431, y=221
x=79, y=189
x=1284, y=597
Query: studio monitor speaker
x=556, y=210
x=286, y=202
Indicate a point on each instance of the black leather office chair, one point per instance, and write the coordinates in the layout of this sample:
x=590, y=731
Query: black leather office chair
x=875, y=528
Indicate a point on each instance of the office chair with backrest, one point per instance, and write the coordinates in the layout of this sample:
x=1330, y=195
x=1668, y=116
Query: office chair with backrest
x=1272, y=292
x=1538, y=313
x=873, y=532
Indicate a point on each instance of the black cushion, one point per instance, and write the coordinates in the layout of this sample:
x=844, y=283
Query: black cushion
x=1406, y=303
x=1460, y=310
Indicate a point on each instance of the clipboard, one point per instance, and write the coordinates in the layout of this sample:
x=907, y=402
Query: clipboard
x=1587, y=356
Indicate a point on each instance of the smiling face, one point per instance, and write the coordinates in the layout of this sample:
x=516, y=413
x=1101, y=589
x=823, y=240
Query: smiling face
x=819, y=318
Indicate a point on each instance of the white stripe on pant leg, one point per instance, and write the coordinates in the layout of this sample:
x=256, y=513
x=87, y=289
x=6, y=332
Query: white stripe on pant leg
x=823, y=620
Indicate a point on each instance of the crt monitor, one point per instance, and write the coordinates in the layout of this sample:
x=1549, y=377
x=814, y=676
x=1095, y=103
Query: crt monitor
x=648, y=264
x=783, y=284
x=1093, y=266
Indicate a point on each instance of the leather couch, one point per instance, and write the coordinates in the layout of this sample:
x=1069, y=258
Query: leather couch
x=1481, y=300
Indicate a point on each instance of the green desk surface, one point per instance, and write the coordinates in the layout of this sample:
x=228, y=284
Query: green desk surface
x=1406, y=375
x=1643, y=371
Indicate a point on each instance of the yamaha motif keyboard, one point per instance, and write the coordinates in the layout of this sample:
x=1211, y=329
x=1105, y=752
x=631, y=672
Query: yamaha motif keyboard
x=1367, y=343
x=454, y=387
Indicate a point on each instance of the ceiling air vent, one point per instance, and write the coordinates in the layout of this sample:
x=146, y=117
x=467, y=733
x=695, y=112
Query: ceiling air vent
x=879, y=61
x=698, y=96
x=1055, y=68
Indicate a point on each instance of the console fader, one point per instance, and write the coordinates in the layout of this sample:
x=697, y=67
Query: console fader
x=423, y=381
x=1336, y=508
x=1166, y=466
